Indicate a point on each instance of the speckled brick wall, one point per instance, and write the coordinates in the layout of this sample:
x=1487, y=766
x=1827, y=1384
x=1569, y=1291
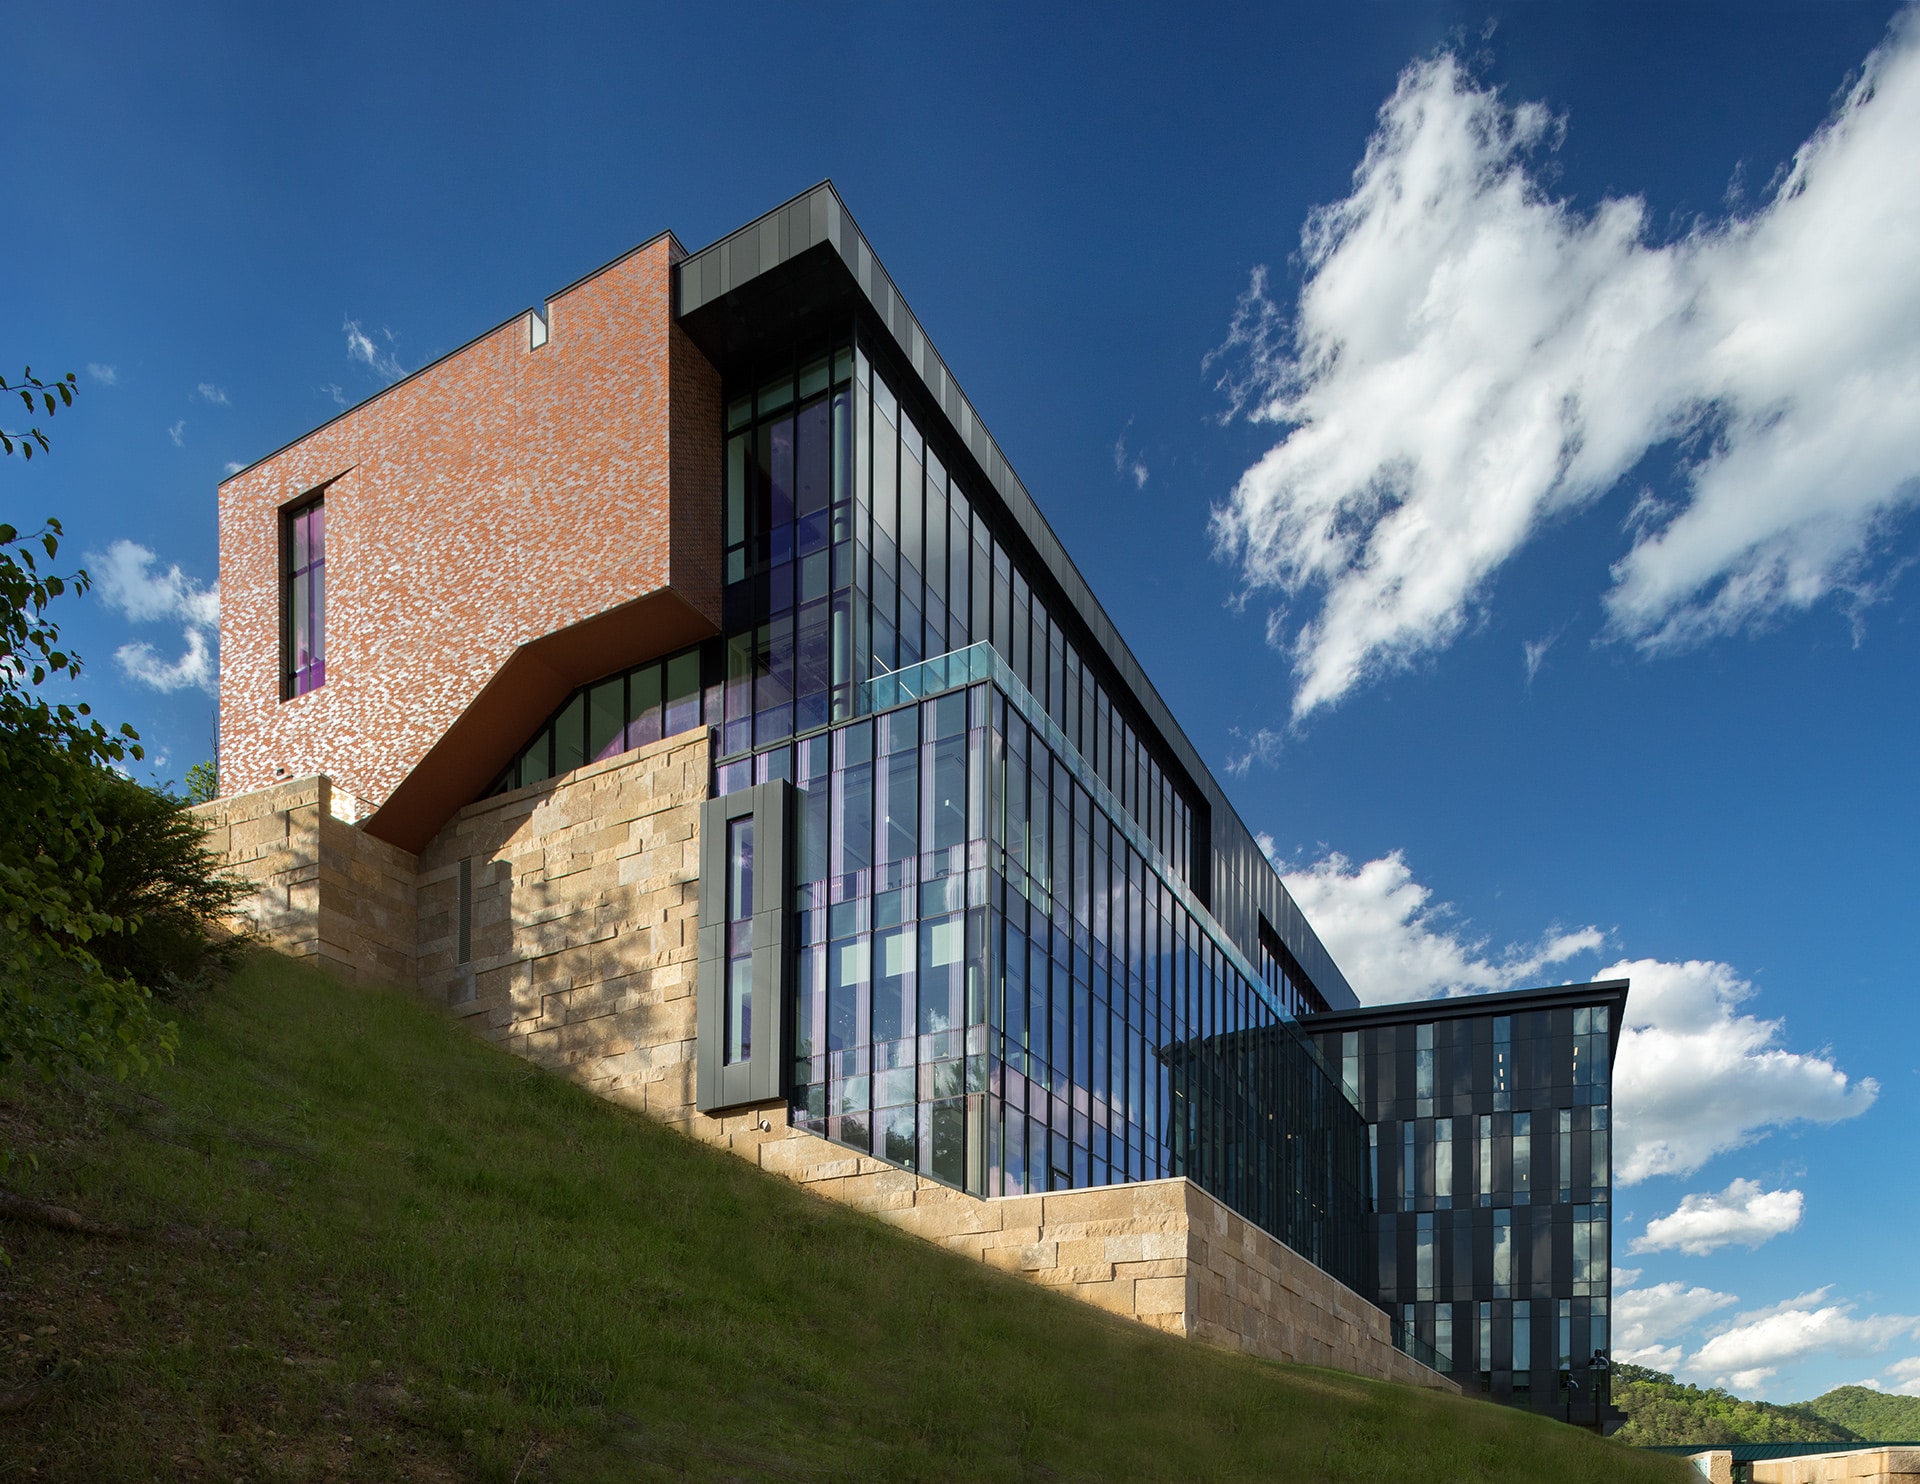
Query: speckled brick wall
x=496, y=497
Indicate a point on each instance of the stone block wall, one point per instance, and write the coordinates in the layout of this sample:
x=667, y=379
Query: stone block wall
x=1163, y=1253
x=584, y=916
x=323, y=890
x=582, y=931
x=1863, y=1466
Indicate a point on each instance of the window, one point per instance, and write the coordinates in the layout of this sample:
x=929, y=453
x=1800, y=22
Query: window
x=304, y=665
x=739, y=1000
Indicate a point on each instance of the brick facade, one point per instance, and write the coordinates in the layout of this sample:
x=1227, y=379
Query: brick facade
x=477, y=513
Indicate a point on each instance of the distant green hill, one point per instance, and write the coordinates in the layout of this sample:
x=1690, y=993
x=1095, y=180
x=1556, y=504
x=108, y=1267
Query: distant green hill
x=363, y=1244
x=1661, y=1410
x=1873, y=1415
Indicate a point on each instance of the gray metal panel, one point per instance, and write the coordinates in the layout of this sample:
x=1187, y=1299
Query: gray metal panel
x=763, y=1076
x=1232, y=841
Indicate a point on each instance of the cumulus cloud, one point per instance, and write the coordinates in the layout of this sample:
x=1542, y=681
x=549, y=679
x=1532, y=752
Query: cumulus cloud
x=212, y=395
x=1758, y=1343
x=1742, y=1213
x=1395, y=943
x=105, y=375
x=363, y=348
x=1649, y=1323
x=1904, y=1376
x=1471, y=357
x=126, y=580
x=1696, y=1077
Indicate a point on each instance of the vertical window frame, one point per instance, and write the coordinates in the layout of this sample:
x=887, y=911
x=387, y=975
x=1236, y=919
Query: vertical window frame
x=290, y=669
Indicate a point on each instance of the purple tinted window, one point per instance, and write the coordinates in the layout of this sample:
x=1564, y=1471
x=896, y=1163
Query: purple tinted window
x=306, y=599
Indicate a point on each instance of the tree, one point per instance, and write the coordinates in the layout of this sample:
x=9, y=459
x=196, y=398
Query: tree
x=60, y=1004
x=27, y=388
x=203, y=783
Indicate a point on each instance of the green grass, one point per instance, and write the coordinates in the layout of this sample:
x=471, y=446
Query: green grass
x=370, y=1246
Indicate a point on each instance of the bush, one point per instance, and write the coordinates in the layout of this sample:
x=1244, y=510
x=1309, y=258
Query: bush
x=158, y=879
x=105, y=890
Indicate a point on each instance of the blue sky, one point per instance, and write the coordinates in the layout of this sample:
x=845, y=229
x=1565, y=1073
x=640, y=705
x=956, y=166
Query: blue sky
x=1526, y=544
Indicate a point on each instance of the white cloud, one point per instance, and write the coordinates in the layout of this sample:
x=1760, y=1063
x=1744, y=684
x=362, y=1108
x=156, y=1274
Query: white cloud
x=1648, y=1323
x=1382, y=929
x=1125, y=462
x=211, y=394
x=1695, y=1077
x=178, y=433
x=362, y=348
x=1906, y=1376
x=1471, y=357
x=1534, y=654
x=1758, y=1343
x=105, y=375
x=232, y=466
x=1262, y=746
x=1742, y=1213
x=333, y=390
x=125, y=580
x=195, y=667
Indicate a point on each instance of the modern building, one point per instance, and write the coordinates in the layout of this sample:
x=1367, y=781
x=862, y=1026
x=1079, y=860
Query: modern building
x=1490, y=1167
x=678, y=683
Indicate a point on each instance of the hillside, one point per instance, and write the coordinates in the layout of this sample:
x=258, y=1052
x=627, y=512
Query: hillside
x=1661, y=1410
x=361, y=1243
x=1866, y=1413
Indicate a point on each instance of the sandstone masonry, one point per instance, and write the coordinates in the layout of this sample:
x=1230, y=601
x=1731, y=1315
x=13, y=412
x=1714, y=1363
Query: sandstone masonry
x=581, y=916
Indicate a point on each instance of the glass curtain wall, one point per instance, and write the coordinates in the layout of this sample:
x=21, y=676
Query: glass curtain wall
x=853, y=551
x=1491, y=1189
x=1002, y=985
x=1004, y=978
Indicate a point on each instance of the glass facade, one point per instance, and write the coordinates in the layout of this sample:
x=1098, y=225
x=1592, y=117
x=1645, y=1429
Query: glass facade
x=1491, y=1210
x=853, y=551
x=663, y=698
x=1005, y=978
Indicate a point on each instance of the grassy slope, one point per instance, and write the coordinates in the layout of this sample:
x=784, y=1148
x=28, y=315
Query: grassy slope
x=375, y=1247
x=1867, y=1413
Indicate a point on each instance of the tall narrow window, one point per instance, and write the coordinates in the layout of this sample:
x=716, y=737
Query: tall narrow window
x=1522, y=1158
x=305, y=664
x=739, y=1002
x=1443, y=1163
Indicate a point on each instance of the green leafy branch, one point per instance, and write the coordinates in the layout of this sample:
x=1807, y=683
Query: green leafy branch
x=50, y=399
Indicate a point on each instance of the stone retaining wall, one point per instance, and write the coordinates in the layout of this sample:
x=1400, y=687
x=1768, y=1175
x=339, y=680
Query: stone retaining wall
x=582, y=925
x=323, y=890
x=1863, y=1466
